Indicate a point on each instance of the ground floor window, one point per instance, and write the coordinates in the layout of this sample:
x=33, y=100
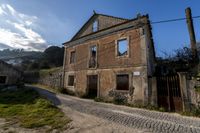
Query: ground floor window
x=122, y=82
x=3, y=79
x=71, y=80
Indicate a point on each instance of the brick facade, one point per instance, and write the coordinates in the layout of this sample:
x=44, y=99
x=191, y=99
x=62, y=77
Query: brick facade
x=138, y=64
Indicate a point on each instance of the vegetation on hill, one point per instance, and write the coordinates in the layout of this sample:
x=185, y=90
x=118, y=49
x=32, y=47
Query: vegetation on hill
x=31, y=60
x=7, y=54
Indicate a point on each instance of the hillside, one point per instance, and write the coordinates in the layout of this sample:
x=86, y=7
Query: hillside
x=17, y=54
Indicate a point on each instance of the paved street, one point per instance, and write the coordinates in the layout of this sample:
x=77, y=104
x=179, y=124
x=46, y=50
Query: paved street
x=150, y=121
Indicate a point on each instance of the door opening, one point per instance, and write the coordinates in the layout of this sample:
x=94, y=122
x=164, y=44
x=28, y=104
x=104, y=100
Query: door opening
x=3, y=79
x=92, y=86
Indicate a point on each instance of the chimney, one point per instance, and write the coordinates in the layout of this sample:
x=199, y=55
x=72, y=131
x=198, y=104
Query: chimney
x=191, y=31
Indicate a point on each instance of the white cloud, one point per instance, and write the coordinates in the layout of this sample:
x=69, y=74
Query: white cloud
x=16, y=30
x=2, y=11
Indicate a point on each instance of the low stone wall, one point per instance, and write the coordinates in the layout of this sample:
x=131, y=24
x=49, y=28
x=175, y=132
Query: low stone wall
x=195, y=98
x=50, y=77
x=53, y=80
x=194, y=95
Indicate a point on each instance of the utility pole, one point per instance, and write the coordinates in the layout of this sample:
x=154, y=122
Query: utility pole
x=191, y=32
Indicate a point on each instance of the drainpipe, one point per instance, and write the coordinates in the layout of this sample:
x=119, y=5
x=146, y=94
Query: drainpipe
x=64, y=65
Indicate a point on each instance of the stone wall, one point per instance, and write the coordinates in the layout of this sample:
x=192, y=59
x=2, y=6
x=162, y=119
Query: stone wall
x=194, y=95
x=53, y=80
x=52, y=77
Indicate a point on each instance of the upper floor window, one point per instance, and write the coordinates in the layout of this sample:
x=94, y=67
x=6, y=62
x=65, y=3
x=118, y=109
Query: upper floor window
x=95, y=26
x=93, y=56
x=122, y=47
x=72, y=57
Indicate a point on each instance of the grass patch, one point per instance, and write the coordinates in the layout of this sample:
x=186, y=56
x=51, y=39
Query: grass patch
x=26, y=107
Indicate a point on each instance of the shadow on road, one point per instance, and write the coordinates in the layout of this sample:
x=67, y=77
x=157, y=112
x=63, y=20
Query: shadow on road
x=46, y=94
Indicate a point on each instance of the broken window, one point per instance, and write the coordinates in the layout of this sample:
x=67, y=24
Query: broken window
x=95, y=26
x=71, y=80
x=122, y=82
x=2, y=79
x=122, y=47
x=93, y=57
x=72, y=57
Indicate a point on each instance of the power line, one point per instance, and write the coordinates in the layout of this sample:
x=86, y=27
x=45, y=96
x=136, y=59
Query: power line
x=172, y=20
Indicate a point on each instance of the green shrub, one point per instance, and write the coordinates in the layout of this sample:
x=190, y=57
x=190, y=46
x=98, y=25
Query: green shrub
x=120, y=100
x=98, y=99
x=162, y=109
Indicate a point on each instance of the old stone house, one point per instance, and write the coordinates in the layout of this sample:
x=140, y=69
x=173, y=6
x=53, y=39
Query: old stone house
x=111, y=57
x=9, y=75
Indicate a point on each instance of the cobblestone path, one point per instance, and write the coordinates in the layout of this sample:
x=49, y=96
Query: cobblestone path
x=152, y=121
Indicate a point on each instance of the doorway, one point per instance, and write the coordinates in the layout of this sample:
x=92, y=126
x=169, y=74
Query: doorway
x=3, y=79
x=169, y=93
x=92, y=86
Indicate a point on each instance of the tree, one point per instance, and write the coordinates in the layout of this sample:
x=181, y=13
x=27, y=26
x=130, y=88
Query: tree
x=53, y=56
x=182, y=60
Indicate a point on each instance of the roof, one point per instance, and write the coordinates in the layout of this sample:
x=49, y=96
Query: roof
x=95, y=15
x=10, y=66
x=137, y=22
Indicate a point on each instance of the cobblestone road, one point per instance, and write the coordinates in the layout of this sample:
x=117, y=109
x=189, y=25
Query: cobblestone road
x=132, y=117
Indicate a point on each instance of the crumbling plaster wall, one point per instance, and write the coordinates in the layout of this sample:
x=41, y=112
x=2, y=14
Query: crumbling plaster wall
x=108, y=65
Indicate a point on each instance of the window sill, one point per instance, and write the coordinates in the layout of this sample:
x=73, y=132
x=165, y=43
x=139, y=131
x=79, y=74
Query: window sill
x=124, y=56
x=70, y=86
x=121, y=90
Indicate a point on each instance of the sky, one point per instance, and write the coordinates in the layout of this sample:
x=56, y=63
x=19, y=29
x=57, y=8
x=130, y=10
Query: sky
x=38, y=24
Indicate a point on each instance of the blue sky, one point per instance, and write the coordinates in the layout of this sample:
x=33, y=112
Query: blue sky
x=37, y=24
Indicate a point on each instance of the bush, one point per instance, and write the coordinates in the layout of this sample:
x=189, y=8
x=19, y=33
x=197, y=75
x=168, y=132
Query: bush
x=62, y=90
x=162, y=109
x=120, y=100
x=98, y=99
